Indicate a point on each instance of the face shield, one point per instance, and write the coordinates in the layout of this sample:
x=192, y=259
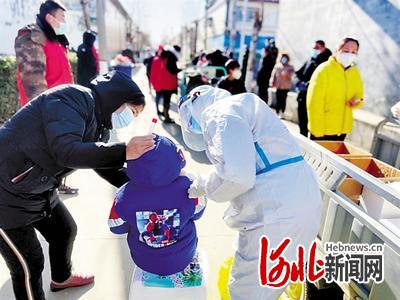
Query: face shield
x=191, y=129
x=191, y=107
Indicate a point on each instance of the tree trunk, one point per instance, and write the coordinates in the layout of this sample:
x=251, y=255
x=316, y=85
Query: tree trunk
x=85, y=11
x=252, y=66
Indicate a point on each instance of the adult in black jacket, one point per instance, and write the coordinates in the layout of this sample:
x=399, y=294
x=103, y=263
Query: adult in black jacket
x=217, y=59
x=62, y=129
x=264, y=74
x=147, y=63
x=319, y=55
x=172, y=55
x=87, y=59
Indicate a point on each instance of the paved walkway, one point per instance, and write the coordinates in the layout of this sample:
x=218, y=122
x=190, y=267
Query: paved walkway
x=98, y=251
x=106, y=255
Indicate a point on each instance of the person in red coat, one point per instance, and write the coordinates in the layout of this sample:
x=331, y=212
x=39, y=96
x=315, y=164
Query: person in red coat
x=156, y=77
x=42, y=52
x=164, y=77
x=42, y=57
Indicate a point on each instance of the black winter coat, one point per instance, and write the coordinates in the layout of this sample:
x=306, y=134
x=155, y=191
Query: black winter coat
x=305, y=72
x=265, y=72
x=57, y=132
x=87, y=61
x=171, y=62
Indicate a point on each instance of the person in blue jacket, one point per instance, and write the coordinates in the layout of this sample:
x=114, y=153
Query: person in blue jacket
x=155, y=210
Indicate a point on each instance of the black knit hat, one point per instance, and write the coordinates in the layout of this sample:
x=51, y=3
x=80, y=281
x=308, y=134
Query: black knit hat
x=232, y=64
x=49, y=6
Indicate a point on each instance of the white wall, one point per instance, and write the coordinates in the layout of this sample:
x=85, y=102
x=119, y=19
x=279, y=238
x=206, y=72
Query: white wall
x=375, y=23
x=15, y=14
x=116, y=29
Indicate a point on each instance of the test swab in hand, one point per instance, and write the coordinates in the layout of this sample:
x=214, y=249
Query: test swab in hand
x=153, y=124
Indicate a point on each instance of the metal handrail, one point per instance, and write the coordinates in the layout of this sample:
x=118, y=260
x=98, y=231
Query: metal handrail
x=347, y=168
x=331, y=170
x=387, y=236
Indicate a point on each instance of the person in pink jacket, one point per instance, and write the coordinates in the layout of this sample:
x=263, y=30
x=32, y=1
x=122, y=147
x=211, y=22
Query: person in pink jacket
x=281, y=79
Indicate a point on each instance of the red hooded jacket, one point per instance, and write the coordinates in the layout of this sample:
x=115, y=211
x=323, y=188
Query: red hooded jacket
x=160, y=77
x=42, y=64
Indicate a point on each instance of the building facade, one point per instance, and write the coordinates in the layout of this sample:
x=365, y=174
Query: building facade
x=118, y=30
x=222, y=23
x=375, y=23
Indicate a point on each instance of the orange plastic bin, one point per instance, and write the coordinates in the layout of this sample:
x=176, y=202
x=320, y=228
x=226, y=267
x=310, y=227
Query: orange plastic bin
x=345, y=150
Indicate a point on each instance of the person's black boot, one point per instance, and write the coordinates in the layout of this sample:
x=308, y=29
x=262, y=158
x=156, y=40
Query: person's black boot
x=168, y=120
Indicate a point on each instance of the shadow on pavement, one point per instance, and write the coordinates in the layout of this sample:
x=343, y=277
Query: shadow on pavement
x=70, y=293
x=6, y=289
x=175, y=131
x=65, y=197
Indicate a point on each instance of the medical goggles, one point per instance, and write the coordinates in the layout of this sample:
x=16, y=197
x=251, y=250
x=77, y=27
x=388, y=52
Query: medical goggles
x=185, y=106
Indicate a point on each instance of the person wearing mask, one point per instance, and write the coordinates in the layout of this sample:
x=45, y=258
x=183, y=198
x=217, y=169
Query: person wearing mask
x=264, y=75
x=335, y=90
x=273, y=49
x=254, y=159
x=88, y=59
x=281, y=79
x=63, y=129
x=319, y=54
x=232, y=82
x=41, y=51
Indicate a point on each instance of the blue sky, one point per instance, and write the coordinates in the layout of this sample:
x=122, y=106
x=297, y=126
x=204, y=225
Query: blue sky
x=162, y=18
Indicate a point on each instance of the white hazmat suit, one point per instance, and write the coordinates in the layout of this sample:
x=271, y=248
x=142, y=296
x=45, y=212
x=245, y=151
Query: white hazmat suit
x=259, y=169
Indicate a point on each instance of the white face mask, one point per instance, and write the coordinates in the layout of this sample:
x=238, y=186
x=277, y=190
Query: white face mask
x=346, y=59
x=315, y=53
x=122, y=119
x=237, y=74
x=61, y=29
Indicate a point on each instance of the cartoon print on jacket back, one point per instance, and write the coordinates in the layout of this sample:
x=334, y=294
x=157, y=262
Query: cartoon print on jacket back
x=155, y=210
x=158, y=229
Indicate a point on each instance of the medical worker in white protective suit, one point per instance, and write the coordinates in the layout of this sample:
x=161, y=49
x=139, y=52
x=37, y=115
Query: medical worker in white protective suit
x=259, y=169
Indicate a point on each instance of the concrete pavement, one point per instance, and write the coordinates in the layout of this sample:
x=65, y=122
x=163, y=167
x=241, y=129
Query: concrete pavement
x=98, y=251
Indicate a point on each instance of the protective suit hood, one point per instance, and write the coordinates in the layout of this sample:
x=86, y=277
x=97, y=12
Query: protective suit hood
x=111, y=90
x=191, y=108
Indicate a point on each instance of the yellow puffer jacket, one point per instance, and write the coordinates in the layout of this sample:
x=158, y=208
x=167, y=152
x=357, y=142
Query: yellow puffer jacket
x=328, y=95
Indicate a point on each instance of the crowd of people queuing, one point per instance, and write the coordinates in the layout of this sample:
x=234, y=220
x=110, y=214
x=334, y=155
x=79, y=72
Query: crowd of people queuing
x=328, y=85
